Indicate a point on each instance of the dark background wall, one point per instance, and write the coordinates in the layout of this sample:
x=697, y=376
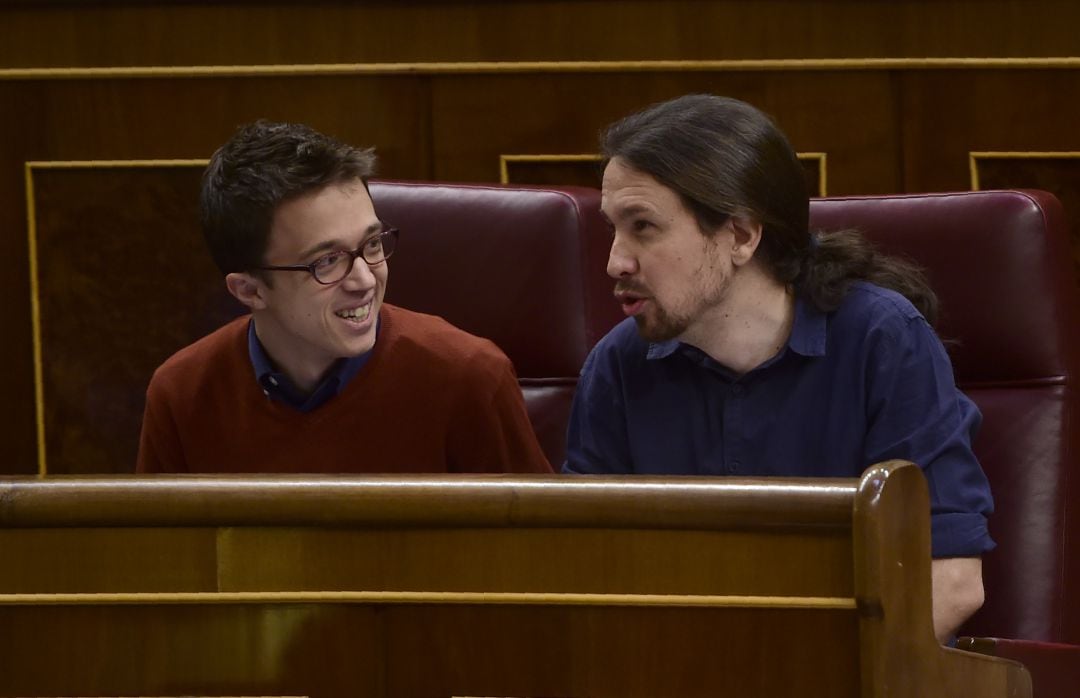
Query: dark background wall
x=103, y=106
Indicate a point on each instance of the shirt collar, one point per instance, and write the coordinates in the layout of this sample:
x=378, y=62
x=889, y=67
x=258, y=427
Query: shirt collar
x=808, y=331
x=277, y=386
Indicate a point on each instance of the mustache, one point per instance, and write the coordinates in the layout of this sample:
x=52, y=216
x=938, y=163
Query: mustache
x=631, y=287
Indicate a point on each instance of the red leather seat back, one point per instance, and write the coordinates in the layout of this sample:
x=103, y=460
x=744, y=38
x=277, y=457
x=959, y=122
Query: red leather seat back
x=519, y=266
x=1001, y=265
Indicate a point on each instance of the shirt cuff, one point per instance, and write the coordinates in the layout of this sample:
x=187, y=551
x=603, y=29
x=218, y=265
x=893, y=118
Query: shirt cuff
x=957, y=534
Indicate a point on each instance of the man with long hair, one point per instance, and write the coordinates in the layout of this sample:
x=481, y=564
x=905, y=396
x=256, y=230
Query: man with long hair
x=756, y=347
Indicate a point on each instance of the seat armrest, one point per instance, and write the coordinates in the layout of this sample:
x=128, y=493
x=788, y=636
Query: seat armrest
x=1054, y=667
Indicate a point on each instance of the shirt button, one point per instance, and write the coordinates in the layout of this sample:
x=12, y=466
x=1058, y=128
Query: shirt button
x=266, y=393
x=273, y=381
x=735, y=466
x=737, y=390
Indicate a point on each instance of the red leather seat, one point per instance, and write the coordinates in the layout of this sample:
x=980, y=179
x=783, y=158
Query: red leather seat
x=523, y=267
x=1001, y=264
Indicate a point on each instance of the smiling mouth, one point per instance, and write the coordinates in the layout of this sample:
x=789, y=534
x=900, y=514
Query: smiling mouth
x=356, y=315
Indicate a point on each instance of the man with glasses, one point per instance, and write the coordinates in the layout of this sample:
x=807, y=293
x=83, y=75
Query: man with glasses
x=322, y=376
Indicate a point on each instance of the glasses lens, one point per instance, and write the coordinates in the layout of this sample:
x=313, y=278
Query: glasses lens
x=378, y=248
x=333, y=267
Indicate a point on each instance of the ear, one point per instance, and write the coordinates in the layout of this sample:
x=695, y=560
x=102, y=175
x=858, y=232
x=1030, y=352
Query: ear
x=745, y=239
x=248, y=289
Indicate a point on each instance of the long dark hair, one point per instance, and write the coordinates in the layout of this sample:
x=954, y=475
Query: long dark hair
x=723, y=157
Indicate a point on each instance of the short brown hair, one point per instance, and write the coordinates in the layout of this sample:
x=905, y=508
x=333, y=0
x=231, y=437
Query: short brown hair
x=261, y=166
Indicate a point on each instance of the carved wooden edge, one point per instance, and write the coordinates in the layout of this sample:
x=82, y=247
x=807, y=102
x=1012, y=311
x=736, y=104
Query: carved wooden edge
x=893, y=594
x=527, y=67
x=474, y=598
x=543, y=501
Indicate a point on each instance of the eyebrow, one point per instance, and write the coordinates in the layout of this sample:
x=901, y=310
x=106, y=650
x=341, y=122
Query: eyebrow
x=332, y=245
x=628, y=211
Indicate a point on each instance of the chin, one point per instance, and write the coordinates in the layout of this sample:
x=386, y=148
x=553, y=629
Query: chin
x=658, y=330
x=355, y=346
x=364, y=347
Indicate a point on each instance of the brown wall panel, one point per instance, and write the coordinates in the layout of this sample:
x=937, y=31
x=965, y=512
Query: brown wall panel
x=426, y=651
x=579, y=171
x=21, y=138
x=948, y=114
x=104, y=560
x=62, y=34
x=640, y=561
x=850, y=115
x=124, y=280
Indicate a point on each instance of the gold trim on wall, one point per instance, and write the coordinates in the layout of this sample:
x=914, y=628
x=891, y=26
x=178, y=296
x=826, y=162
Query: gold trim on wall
x=35, y=287
x=103, y=164
x=822, y=159
x=504, y=160
x=518, y=67
x=433, y=597
x=975, y=156
x=35, y=317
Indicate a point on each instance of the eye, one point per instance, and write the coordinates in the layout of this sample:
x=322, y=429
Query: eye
x=640, y=225
x=329, y=260
x=373, y=244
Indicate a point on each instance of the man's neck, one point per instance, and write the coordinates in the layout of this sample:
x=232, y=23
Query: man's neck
x=305, y=376
x=750, y=326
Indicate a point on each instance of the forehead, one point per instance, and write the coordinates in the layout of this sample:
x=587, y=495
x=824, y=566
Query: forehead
x=336, y=213
x=627, y=190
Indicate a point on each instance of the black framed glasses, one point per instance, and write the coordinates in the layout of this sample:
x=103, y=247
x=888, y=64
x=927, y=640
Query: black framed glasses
x=335, y=266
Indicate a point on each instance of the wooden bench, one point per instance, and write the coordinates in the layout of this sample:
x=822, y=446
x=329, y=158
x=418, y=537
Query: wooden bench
x=569, y=587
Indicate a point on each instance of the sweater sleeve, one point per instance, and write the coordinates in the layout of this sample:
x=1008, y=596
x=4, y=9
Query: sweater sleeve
x=490, y=430
x=160, y=450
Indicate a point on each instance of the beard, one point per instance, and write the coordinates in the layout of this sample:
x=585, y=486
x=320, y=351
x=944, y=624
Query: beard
x=705, y=288
x=660, y=325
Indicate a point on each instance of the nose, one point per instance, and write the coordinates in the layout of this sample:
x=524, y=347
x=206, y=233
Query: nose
x=360, y=277
x=621, y=262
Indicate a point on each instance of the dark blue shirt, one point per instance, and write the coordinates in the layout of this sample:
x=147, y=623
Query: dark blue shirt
x=277, y=386
x=866, y=383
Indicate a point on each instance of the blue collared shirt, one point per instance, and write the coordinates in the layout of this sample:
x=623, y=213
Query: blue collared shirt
x=277, y=386
x=866, y=383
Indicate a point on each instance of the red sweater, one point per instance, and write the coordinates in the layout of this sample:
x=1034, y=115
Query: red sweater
x=431, y=399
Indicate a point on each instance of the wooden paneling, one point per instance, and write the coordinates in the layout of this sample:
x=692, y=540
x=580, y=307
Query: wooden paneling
x=662, y=562
x=95, y=560
x=565, y=113
x=697, y=589
x=948, y=114
x=587, y=170
x=123, y=281
x=60, y=34
x=427, y=651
